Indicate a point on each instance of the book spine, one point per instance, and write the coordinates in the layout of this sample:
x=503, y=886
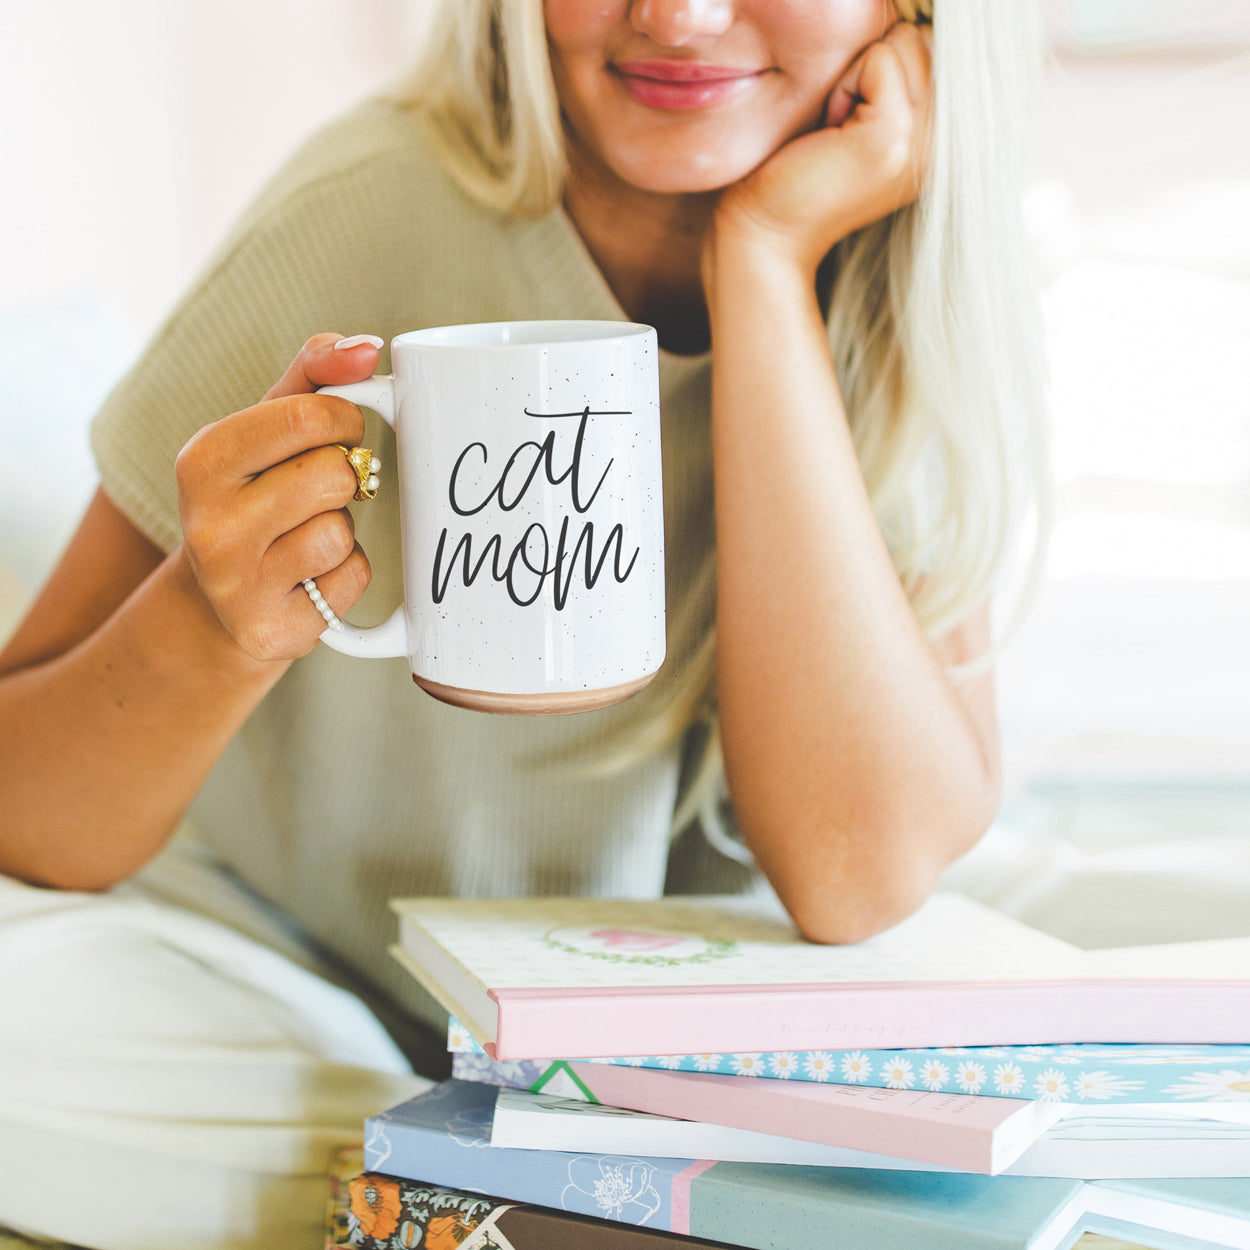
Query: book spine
x=628, y=1189
x=536, y=1023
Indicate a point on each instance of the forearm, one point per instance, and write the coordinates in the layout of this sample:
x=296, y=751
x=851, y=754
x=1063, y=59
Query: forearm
x=105, y=746
x=855, y=768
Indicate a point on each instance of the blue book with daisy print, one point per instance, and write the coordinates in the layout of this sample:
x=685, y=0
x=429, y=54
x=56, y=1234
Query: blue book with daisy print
x=1093, y=1073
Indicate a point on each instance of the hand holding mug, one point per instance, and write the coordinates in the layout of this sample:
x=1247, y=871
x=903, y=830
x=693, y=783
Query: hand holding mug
x=262, y=497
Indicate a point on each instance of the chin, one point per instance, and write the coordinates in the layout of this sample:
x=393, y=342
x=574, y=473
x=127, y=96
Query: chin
x=689, y=174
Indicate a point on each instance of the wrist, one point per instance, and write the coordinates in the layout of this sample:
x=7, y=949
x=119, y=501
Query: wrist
x=749, y=268
x=737, y=246
x=216, y=647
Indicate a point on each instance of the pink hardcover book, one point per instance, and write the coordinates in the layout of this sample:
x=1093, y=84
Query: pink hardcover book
x=543, y=977
x=974, y=1134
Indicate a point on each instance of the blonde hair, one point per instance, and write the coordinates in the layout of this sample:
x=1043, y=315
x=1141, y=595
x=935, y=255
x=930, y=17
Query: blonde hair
x=933, y=325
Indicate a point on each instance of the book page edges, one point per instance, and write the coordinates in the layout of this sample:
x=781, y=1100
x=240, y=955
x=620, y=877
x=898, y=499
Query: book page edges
x=541, y=1023
x=482, y=1032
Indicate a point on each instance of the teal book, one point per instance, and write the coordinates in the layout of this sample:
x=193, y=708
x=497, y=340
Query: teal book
x=443, y=1138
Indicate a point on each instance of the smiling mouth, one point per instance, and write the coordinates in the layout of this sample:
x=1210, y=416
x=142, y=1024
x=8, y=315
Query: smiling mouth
x=667, y=84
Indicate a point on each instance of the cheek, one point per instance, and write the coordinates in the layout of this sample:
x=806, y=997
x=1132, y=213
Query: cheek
x=812, y=28
x=581, y=25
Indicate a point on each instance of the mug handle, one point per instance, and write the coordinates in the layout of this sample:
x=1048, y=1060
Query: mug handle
x=390, y=639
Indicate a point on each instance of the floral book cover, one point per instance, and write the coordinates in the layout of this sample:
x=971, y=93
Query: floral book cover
x=377, y=1212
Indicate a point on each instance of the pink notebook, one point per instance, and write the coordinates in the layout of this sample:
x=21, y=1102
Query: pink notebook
x=534, y=978
x=975, y=1134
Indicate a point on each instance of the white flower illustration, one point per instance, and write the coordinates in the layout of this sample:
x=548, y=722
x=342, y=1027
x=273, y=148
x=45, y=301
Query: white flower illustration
x=707, y=1063
x=513, y=1073
x=634, y=1061
x=1103, y=1085
x=970, y=1077
x=671, y=1061
x=473, y=1068
x=1008, y=1079
x=747, y=1065
x=1051, y=1086
x=377, y=1145
x=818, y=1065
x=898, y=1074
x=620, y=1189
x=934, y=1074
x=855, y=1068
x=952, y=1050
x=1226, y=1086
x=992, y=1052
x=784, y=1064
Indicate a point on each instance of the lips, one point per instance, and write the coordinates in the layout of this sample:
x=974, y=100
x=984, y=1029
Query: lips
x=672, y=84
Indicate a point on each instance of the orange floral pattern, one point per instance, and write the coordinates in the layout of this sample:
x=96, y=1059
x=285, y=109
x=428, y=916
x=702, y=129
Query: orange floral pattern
x=375, y=1202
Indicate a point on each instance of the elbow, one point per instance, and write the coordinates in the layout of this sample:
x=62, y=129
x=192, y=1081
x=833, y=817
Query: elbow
x=876, y=879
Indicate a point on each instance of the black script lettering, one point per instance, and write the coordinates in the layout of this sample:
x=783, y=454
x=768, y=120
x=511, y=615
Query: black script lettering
x=576, y=467
x=564, y=580
x=562, y=570
x=544, y=458
x=464, y=548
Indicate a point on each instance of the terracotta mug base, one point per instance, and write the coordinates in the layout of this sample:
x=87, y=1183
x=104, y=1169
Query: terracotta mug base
x=558, y=703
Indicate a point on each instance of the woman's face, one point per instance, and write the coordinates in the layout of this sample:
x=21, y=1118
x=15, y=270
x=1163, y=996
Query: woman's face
x=691, y=95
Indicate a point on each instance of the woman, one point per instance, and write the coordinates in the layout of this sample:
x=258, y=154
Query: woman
x=848, y=387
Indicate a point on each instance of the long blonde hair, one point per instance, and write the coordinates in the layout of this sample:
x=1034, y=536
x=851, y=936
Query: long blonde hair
x=933, y=324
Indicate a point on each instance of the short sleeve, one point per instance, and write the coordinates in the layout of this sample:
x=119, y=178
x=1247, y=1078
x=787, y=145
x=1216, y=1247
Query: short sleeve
x=313, y=254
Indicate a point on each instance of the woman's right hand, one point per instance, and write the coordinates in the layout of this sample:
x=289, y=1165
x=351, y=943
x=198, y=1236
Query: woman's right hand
x=262, y=496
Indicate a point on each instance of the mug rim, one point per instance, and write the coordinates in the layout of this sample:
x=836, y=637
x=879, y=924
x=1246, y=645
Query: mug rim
x=562, y=331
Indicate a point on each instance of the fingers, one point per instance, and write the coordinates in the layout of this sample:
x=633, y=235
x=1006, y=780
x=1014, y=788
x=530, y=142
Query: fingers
x=340, y=587
x=314, y=549
x=868, y=79
x=286, y=495
x=913, y=45
x=320, y=363
x=239, y=447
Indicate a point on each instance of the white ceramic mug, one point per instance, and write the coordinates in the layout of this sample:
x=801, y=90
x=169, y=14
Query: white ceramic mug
x=531, y=513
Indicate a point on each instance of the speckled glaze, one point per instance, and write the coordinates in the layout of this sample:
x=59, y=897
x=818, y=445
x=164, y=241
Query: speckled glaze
x=532, y=514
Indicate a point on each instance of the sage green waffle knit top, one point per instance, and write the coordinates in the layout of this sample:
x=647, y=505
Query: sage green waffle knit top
x=348, y=785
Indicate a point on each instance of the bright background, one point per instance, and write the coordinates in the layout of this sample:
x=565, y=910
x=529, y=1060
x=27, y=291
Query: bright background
x=135, y=131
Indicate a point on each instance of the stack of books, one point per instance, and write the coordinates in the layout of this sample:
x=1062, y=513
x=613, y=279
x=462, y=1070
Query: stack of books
x=690, y=1069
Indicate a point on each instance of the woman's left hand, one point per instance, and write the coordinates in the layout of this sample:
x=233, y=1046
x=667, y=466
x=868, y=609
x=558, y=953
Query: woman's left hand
x=867, y=161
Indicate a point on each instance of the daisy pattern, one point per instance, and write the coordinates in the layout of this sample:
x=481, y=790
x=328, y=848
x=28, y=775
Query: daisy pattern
x=898, y=1074
x=747, y=1065
x=1102, y=1085
x=952, y=1050
x=934, y=1074
x=634, y=1061
x=818, y=1065
x=706, y=1063
x=1051, y=1085
x=970, y=1077
x=784, y=1064
x=855, y=1068
x=670, y=1061
x=1226, y=1086
x=1008, y=1080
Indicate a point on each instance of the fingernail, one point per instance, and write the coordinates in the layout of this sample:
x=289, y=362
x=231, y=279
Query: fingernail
x=355, y=341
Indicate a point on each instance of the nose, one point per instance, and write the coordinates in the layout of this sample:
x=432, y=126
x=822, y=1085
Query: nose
x=679, y=22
